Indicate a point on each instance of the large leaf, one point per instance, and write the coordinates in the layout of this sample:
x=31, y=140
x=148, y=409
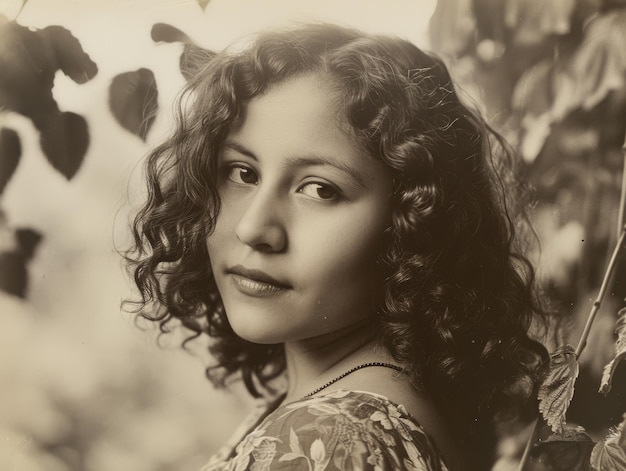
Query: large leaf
x=133, y=99
x=10, y=152
x=620, y=353
x=69, y=54
x=597, y=68
x=64, y=140
x=533, y=92
x=28, y=240
x=568, y=451
x=193, y=60
x=532, y=21
x=162, y=32
x=452, y=27
x=531, y=99
x=610, y=453
x=557, y=388
x=27, y=68
x=13, y=264
x=29, y=60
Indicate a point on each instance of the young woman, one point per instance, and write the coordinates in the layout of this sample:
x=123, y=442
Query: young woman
x=328, y=212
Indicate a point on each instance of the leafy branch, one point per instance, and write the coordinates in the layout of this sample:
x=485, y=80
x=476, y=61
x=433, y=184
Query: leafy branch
x=557, y=389
x=552, y=75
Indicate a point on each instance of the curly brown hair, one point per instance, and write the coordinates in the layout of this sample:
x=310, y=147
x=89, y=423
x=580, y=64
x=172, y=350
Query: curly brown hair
x=457, y=298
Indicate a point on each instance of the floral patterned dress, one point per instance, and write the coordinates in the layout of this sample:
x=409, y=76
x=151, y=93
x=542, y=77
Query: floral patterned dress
x=340, y=430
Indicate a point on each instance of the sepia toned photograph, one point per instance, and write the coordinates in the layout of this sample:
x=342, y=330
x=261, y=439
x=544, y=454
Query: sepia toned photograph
x=313, y=235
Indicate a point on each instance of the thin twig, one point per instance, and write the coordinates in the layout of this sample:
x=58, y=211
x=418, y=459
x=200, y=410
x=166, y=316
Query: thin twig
x=20, y=10
x=622, y=203
x=529, y=444
x=605, y=284
x=609, y=269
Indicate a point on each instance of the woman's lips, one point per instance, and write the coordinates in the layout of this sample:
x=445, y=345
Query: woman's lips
x=255, y=288
x=255, y=282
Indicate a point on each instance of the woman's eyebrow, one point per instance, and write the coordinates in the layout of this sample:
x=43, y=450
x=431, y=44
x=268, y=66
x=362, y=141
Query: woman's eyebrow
x=316, y=160
x=241, y=149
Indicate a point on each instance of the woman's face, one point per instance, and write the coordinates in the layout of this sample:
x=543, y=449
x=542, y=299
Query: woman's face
x=302, y=218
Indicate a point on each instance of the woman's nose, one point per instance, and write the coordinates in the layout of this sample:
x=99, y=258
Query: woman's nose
x=261, y=226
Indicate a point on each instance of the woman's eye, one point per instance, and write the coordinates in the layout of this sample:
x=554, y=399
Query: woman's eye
x=320, y=191
x=242, y=175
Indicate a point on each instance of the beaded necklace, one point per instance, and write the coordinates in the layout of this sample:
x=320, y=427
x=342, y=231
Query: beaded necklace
x=352, y=370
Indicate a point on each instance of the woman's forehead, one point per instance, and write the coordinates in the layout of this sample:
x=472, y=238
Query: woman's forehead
x=301, y=119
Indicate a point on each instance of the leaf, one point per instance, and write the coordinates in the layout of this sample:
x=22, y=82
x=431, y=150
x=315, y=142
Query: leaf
x=621, y=433
x=28, y=68
x=567, y=451
x=620, y=353
x=321, y=409
x=294, y=442
x=13, y=274
x=10, y=153
x=263, y=455
x=64, y=141
x=28, y=240
x=194, y=59
x=162, y=32
x=610, y=453
x=532, y=21
x=203, y=4
x=597, y=68
x=133, y=101
x=557, y=389
x=318, y=451
x=242, y=463
x=571, y=433
x=13, y=269
x=532, y=93
x=290, y=456
x=452, y=27
x=608, y=456
x=531, y=98
x=69, y=54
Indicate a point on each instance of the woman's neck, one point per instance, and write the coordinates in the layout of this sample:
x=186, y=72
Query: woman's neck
x=312, y=362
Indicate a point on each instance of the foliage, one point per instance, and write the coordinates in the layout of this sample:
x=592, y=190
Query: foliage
x=551, y=76
x=192, y=57
x=557, y=389
x=10, y=153
x=566, y=451
x=133, y=100
x=29, y=60
x=611, y=452
x=71, y=397
x=15, y=253
x=620, y=353
x=133, y=95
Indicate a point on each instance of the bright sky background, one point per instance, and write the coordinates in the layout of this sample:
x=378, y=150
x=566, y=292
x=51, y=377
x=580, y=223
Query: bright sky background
x=222, y=20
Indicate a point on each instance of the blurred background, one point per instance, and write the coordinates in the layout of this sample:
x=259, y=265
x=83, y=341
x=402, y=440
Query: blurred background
x=86, y=89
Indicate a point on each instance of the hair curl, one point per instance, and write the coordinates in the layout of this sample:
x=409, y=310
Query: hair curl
x=457, y=297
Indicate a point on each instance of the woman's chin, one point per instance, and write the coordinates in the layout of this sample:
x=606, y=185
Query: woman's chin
x=263, y=335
